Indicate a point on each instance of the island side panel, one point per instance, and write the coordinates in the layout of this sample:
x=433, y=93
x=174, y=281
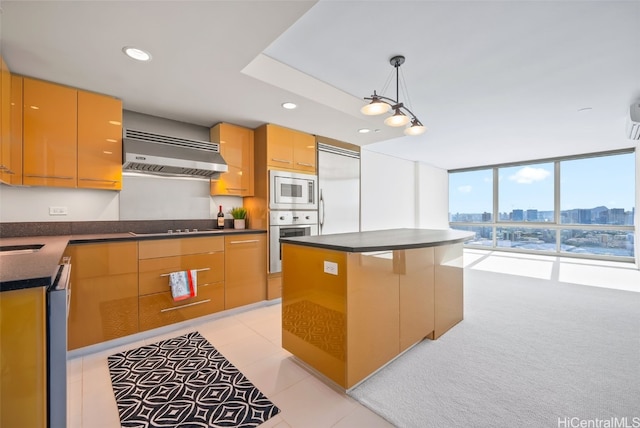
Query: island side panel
x=449, y=300
x=373, y=306
x=314, y=326
x=417, y=294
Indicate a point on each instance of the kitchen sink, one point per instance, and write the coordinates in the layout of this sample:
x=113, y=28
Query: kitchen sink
x=20, y=249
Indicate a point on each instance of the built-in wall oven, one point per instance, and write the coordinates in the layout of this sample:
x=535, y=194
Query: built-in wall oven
x=292, y=191
x=288, y=224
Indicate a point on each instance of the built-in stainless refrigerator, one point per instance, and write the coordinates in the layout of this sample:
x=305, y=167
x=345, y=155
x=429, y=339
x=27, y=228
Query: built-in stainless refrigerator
x=338, y=190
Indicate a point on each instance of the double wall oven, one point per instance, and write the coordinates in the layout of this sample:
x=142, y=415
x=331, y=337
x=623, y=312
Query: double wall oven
x=293, y=210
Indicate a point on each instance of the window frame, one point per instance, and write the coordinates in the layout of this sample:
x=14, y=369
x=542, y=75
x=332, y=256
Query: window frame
x=556, y=226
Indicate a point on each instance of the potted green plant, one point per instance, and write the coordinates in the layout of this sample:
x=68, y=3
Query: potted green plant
x=239, y=215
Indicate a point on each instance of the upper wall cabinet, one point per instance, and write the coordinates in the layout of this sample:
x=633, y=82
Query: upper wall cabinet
x=99, y=141
x=290, y=150
x=71, y=138
x=9, y=164
x=50, y=127
x=236, y=148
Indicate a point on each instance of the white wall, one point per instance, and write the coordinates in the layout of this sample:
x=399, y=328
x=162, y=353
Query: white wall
x=387, y=192
x=22, y=204
x=432, y=196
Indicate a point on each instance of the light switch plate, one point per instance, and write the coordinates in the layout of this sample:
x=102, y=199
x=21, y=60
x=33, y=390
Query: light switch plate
x=58, y=210
x=331, y=268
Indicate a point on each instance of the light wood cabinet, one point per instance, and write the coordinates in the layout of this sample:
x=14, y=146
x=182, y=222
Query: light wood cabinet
x=158, y=258
x=289, y=149
x=99, y=141
x=104, y=292
x=23, y=358
x=245, y=269
x=236, y=148
x=50, y=126
x=16, y=130
x=7, y=163
x=375, y=307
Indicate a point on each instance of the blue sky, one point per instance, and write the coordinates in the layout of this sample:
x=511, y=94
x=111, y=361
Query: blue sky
x=585, y=183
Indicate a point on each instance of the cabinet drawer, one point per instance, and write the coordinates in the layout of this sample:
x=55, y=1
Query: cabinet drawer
x=153, y=273
x=159, y=309
x=175, y=247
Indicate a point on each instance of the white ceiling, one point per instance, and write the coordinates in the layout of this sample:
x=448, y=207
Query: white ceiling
x=494, y=81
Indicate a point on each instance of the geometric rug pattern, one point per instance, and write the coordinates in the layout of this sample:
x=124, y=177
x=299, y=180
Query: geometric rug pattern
x=184, y=382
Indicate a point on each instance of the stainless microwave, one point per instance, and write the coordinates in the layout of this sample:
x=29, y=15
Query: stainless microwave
x=292, y=191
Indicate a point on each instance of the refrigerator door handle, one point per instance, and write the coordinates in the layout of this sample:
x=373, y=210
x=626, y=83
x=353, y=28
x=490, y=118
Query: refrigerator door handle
x=321, y=208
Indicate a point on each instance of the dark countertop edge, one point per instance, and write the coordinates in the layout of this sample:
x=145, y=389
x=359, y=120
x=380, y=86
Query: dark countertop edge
x=23, y=284
x=366, y=249
x=38, y=281
x=80, y=239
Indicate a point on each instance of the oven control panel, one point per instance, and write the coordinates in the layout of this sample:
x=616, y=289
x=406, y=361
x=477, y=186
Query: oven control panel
x=287, y=218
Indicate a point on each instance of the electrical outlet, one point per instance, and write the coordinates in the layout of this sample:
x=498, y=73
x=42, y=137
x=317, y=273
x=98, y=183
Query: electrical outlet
x=331, y=268
x=58, y=210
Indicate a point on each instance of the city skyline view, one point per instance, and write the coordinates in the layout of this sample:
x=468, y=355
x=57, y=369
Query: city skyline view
x=585, y=183
x=594, y=191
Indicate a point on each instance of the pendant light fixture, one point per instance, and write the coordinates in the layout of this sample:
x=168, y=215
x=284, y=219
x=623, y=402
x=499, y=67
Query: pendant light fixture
x=380, y=104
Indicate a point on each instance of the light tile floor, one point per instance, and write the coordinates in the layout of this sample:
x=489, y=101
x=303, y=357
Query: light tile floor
x=251, y=340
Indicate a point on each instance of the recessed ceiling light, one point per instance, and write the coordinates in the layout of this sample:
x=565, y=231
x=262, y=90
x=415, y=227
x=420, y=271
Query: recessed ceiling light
x=289, y=106
x=137, y=54
x=364, y=130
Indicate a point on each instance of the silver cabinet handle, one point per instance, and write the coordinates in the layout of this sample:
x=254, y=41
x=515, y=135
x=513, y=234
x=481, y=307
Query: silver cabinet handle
x=323, y=211
x=244, y=242
x=304, y=164
x=236, y=188
x=280, y=160
x=50, y=176
x=185, y=306
x=197, y=270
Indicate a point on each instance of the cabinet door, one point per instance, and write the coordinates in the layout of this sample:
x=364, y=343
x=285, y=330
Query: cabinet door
x=23, y=362
x=5, y=123
x=416, y=271
x=99, y=141
x=245, y=269
x=16, y=130
x=50, y=134
x=304, y=152
x=236, y=147
x=279, y=147
x=104, y=292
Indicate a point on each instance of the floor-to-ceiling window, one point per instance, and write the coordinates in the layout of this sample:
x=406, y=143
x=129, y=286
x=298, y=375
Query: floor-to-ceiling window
x=583, y=206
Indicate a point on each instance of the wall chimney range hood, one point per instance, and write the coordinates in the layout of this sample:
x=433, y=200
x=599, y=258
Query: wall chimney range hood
x=158, y=154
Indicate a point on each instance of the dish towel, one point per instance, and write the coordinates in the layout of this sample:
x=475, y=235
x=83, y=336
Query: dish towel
x=184, y=284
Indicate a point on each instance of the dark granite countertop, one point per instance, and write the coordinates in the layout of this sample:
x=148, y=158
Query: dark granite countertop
x=382, y=240
x=38, y=269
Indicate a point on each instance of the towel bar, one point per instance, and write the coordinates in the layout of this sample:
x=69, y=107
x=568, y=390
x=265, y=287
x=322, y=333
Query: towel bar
x=197, y=270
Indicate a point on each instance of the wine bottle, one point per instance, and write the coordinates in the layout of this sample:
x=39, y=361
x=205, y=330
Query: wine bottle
x=220, y=218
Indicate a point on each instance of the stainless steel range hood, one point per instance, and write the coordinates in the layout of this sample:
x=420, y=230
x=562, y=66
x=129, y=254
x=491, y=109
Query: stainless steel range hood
x=157, y=154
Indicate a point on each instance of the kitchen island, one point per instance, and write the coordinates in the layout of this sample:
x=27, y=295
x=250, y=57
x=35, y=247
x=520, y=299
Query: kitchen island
x=352, y=302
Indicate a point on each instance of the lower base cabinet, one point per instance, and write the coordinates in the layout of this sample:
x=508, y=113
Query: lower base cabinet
x=104, y=292
x=158, y=258
x=23, y=363
x=159, y=309
x=122, y=288
x=245, y=266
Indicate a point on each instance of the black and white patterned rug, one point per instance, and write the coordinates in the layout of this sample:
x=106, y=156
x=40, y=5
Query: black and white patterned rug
x=184, y=382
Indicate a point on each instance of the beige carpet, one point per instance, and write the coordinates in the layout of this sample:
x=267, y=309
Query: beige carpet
x=530, y=353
